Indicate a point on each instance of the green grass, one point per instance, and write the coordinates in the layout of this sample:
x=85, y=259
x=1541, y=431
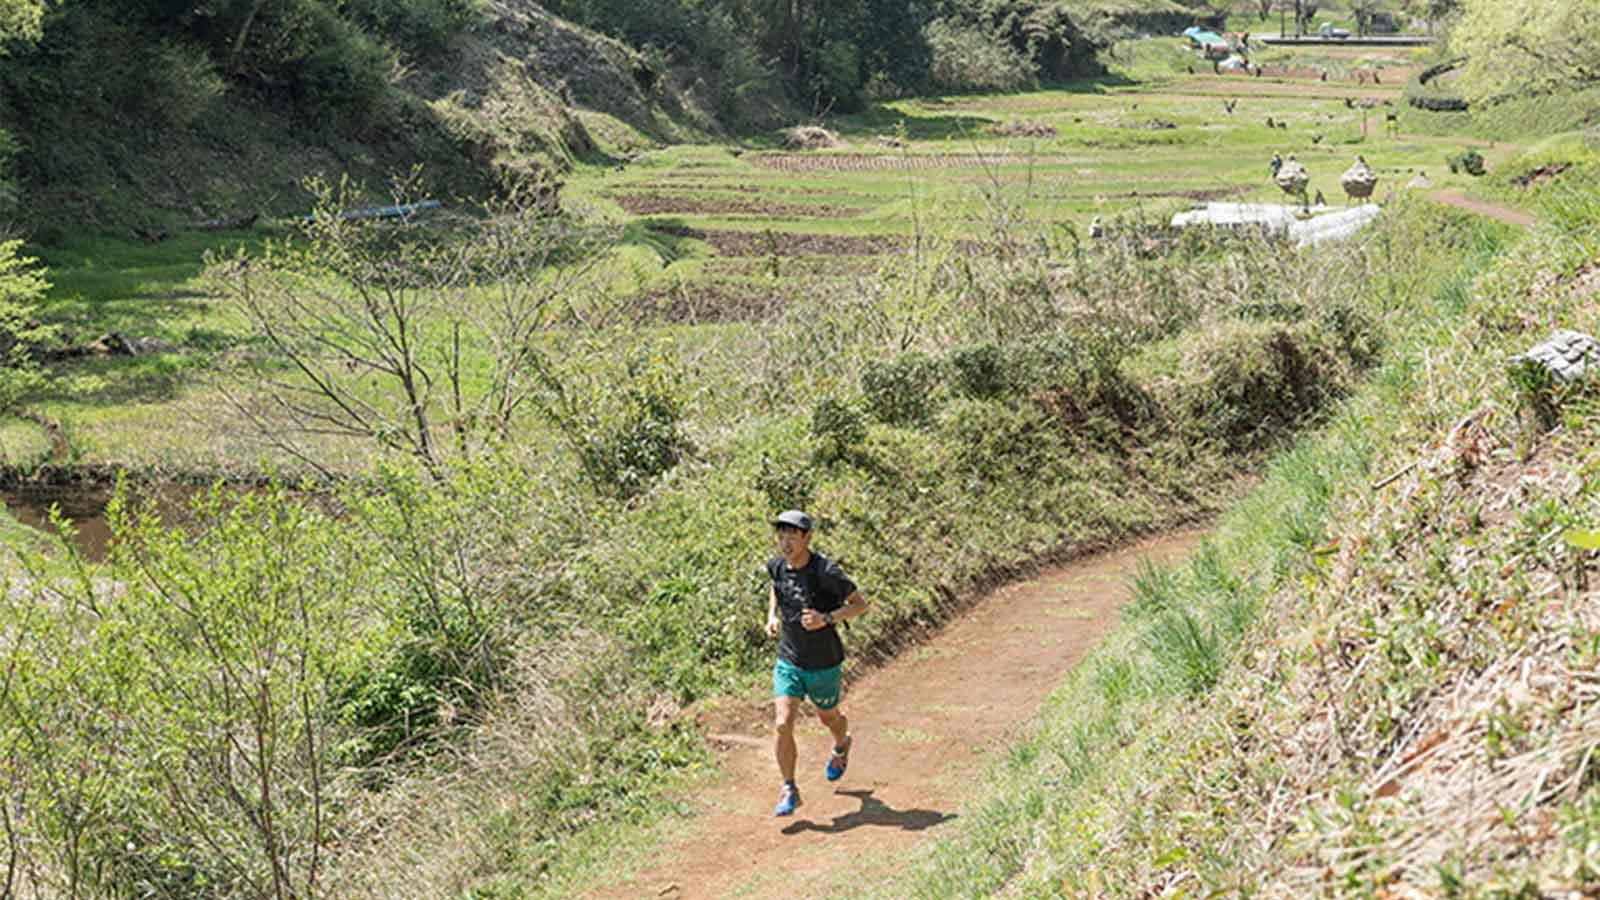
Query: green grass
x=1120, y=720
x=1022, y=478
x=1102, y=161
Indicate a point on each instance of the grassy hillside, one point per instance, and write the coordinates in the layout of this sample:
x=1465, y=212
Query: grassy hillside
x=1375, y=679
x=127, y=126
x=466, y=670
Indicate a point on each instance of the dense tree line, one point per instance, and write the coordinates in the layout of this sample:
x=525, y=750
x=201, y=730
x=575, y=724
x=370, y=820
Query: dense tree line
x=88, y=83
x=838, y=54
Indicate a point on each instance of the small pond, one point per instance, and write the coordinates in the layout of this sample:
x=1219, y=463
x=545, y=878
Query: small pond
x=83, y=503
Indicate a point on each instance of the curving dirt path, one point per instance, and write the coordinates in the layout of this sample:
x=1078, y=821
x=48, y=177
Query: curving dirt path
x=923, y=725
x=1453, y=197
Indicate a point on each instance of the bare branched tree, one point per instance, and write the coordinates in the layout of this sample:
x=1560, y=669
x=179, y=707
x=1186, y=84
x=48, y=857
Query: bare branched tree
x=418, y=334
x=1305, y=11
x=1364, y=12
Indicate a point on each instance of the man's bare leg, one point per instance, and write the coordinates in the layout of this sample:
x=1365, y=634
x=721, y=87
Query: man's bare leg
x=784, y=710
x=837, y=723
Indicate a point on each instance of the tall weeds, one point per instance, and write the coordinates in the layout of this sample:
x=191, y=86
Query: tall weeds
x=1135, y=721
x=506, y=644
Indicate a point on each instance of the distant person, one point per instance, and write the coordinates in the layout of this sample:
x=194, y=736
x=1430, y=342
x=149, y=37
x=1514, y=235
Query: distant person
x=1276, y=163
x=1320, y=201
x=810, y=594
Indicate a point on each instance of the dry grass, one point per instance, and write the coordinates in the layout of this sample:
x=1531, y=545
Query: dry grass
x=811, y=137
x=1392, y=778
x=477, y=809
x=1024, y=128
x=1419, y=717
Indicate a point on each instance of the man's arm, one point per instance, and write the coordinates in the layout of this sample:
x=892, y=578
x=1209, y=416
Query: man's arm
x=854, y=605
x=774, y=624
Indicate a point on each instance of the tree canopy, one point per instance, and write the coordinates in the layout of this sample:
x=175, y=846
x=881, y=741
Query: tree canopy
x=20, y=20
x=1515, y=46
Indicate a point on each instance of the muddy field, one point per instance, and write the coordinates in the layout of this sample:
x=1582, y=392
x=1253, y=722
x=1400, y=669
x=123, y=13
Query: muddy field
x=1263, y=88
x=1198, y=195
x=876, y=162
x=713, y=302
x=785, y=244
x=650, y=204
x=826, y=266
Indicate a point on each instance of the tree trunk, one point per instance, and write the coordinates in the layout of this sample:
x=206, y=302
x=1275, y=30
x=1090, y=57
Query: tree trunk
x=244, y=32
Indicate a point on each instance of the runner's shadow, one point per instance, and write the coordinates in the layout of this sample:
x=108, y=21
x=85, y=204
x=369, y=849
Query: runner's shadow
x=874, y=812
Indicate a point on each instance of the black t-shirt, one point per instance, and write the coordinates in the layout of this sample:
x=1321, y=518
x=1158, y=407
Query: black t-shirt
x=820, y=585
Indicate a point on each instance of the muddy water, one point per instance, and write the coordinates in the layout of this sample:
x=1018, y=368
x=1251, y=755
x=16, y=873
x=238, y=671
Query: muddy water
x=84, y=505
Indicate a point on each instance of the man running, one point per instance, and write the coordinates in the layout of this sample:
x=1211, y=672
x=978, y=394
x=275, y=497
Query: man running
x=809, y=595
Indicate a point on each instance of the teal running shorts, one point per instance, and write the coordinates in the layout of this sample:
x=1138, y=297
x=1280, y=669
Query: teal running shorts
x=821, y=687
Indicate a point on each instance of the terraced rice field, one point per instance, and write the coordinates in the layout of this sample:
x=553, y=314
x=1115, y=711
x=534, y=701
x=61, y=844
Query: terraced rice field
x=719, y=234
x=738, y=222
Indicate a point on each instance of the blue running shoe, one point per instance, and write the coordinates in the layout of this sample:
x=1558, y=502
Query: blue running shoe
x=788, y=799
x=838, y=759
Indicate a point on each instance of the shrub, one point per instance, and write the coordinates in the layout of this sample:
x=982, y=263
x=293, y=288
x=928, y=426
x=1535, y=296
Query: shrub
x=785, y=486
x=22, y=287
x=838, y=427
x=901, y=391
x=998, y=442
x=968, y=58
x=225, y=645
x=625, y=450
x=1244, y=382
x=346, y=77
x=422, y=26
x=1469, y=161
x=449, y=560
x=979, y=370
x=1354, y=334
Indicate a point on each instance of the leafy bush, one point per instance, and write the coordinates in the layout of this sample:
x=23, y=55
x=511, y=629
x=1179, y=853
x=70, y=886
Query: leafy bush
x=901, y=391
x=1246, y=382
x=422, y=26
x=969, y=58
x=999, y=442
x=980, y=370
x=786, y=487
x=174, y=726
x=1469, y=161
x=346, y=76
x=1354, y=334
x=838, y=427
x=625, y=431
x=22, y=287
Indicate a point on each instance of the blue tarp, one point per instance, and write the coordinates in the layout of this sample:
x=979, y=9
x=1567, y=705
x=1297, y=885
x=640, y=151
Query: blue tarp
x=1202, y=38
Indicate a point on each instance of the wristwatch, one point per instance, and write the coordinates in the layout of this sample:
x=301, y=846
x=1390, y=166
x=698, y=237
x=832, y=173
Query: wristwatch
x=827, y=618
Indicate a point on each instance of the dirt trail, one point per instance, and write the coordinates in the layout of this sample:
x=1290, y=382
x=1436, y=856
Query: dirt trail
x=1455, y=198
x=924, y=725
